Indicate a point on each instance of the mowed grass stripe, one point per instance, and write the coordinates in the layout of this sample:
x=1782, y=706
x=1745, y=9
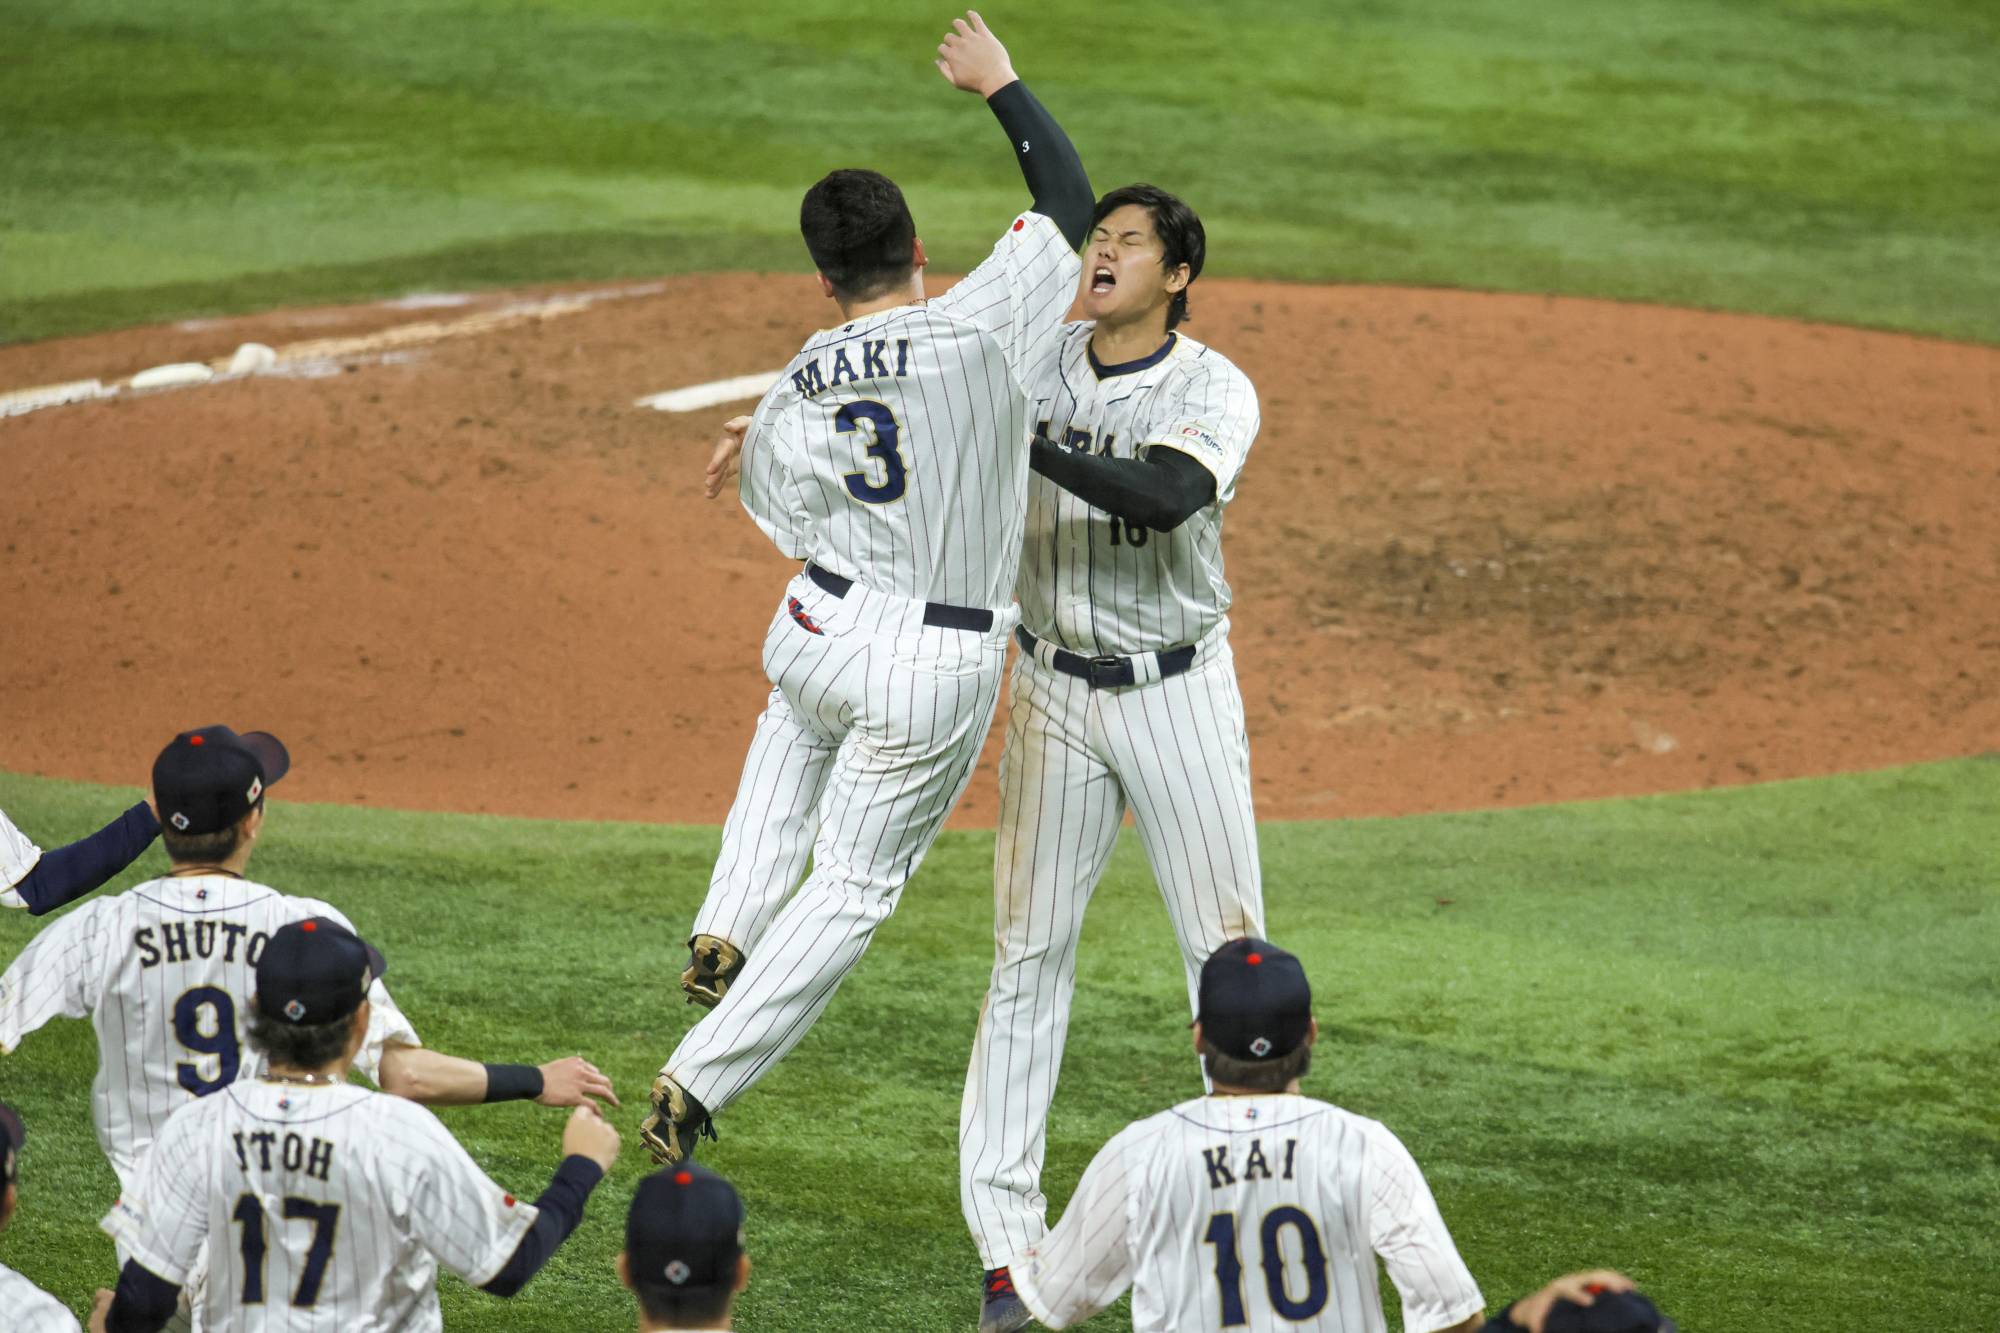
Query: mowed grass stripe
x=1740, y=1043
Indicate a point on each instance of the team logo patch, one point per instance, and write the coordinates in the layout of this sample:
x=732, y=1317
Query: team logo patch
x=178, y=820
x=1201, y=437
x=1260, y=1047
x=678, y=1272
x=294, y=1010
x=256, y=788
x=798, y=610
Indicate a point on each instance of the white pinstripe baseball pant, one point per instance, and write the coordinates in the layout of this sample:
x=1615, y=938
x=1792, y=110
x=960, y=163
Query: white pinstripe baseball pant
x=1175, y=752
x=867, y=743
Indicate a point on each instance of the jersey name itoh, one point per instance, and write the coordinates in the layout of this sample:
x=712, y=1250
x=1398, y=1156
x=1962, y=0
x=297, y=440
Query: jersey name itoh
x=1090, y=582
x=893, y=450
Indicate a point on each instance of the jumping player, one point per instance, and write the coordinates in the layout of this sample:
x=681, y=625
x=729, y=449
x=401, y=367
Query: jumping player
x=324, y=1205
x=1253, y=1207
x=892, y=458
x=163, y=970
x=1123, y=695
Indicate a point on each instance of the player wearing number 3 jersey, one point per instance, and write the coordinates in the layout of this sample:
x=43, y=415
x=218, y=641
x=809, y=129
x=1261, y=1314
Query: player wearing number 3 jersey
x=892, y=459
x=1253, y=1208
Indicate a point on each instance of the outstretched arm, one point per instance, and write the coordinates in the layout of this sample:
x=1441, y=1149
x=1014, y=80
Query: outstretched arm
x=436, y=1079
x=67, y=873
x=972, y=58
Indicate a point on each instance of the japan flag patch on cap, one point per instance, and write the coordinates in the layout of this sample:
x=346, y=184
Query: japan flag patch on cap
x=678, y=1272
x=1260, y=1047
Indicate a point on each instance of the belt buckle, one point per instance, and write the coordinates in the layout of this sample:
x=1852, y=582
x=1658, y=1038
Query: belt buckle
x=1109, y=672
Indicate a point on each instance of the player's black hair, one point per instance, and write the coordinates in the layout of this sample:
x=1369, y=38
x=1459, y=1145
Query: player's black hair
x=681, y=1307
x=298, y=1045
x=1257, y=1075
x=1182, y=239
x=859, y=232
x=206, y=849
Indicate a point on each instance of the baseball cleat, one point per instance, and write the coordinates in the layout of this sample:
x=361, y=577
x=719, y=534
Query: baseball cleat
x=1001, y=1309
x=677, y=1123
x=713, y=966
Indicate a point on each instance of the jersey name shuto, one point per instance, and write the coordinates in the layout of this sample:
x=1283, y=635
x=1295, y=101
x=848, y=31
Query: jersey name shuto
x=877, y=356
x=183, y=942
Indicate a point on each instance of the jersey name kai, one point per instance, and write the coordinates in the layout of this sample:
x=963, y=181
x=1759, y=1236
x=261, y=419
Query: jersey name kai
x=186, y=941
x=821, y=373
x=1253, y=1165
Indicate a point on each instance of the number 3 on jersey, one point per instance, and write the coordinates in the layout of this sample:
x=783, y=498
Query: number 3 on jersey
x=878, y=424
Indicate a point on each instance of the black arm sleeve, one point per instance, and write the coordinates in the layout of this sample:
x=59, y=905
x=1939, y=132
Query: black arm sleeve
x=1160, y=491
x=144, y=1303
x=1049, y=162
x=561, y=1208
x=67, y=873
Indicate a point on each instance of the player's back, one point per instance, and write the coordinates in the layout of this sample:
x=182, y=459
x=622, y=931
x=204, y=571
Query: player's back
x=1267, y=1212
x=323, y=1207
x=894, y=448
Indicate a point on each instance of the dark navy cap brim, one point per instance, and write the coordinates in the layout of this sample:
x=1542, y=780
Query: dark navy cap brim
x=272, y=756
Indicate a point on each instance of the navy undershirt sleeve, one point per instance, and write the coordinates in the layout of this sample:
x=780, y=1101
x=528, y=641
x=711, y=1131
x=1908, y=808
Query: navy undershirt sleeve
x=67, y=873
x=144, y=1300
x=1160, y=491
x=561, y=1208
x=1048, y=160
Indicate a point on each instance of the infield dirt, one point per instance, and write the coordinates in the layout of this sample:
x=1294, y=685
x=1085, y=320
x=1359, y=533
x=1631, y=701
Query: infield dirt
x=1489, y=550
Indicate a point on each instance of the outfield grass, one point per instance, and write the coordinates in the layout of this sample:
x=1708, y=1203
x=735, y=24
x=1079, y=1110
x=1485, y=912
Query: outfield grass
x=1838, y=159
x=1742, y=1044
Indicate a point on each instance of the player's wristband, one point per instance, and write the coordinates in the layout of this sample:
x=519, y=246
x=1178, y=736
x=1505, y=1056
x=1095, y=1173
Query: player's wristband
x=512, y=1083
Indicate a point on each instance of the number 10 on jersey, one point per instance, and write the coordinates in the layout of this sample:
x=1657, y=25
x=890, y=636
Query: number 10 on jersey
x=874, y=422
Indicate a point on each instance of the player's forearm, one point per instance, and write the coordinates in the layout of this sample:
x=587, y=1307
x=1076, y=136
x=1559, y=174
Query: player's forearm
x=62, y=876
x=1049, y=162
x=1160, y=491
x=144, y=1301
x=436, y=1079
x=559, y=1209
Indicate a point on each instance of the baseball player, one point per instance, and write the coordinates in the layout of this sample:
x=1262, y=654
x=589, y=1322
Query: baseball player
x=1252, y=1207
x=1124, y=693
x=24, y=1307
x=683, y=1255
x=163, y=970
x=324, y=1205
x=891, y=457
x=43, y=881
x=1599, y=1301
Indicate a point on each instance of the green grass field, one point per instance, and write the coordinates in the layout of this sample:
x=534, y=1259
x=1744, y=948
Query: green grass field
x=1744, y=1044
x=1838, y=159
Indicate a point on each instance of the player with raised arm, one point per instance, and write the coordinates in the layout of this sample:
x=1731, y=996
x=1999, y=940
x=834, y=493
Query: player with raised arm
x=324, y=1205
x=164, y=970
x=43, y=881
x=1124, y=694
x=1253, y=1207
x=891, y=457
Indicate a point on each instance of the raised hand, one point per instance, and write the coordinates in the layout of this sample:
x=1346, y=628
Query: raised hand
x=972, y=58
x=726, y=460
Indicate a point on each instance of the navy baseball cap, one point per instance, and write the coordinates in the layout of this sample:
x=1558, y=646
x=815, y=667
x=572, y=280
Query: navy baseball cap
x=1610, y=1312
x=206, y=780
x=315, y=971
x=1253, y=1001
x=684, y=1231
x=12, y=1136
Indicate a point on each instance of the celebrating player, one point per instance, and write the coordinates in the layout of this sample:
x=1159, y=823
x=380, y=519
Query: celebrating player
x=24, y=1307
x=890, y=457
x=683, y=1255
x=43, y=881
x=164, y=969
x=1253, y=1207
x=1124, y=694
x=324, y=1205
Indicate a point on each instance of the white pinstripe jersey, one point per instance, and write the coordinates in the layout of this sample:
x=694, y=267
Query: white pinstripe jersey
x=164, y=971
x=26, y=1308
x=322, y=1207
x=1259, y=1213
x=17, y=857
x=1090, y=582
x=894, y=449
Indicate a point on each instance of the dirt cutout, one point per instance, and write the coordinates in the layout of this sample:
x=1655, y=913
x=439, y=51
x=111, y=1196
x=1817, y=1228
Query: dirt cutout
x=1489, y=550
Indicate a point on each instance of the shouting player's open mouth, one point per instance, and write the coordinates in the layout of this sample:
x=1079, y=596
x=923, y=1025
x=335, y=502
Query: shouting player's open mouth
x=1102, y=280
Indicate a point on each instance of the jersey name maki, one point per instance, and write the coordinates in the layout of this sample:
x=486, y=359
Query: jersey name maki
x=847, y=363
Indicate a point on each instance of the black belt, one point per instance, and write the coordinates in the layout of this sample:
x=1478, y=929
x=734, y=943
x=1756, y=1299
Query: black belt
x=1106, y=673
x=938, y=614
